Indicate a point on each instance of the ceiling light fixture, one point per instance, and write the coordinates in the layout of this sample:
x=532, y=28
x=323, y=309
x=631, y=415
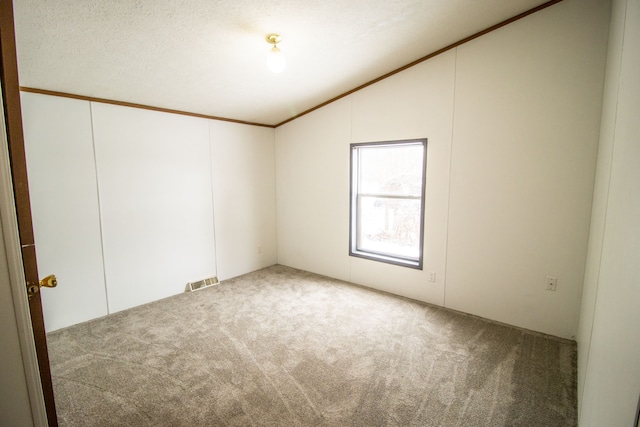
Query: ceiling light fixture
x=275, y=60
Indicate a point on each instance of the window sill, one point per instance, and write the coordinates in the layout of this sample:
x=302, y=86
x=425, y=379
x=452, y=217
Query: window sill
x=387, y=259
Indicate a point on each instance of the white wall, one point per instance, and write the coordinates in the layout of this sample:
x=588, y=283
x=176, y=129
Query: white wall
x=416, y=103
x=512, y=123
x=123, y=203
x=312, y=158
x=601, y=189
x=64, y=205
x=526, y=123
x=609, y=338
x=154, y=183
x=243, y=170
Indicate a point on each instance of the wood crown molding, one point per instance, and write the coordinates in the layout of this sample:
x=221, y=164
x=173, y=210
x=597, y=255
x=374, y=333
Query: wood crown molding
x=134, y=105
x=424, y=58
x=369, y=83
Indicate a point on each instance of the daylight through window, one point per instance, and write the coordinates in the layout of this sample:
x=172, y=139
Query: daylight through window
x=387, y=201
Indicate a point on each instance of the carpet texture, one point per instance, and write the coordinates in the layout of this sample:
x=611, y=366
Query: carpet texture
x=283, y=347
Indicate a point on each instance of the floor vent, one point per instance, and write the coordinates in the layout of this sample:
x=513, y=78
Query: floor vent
x=202, y=284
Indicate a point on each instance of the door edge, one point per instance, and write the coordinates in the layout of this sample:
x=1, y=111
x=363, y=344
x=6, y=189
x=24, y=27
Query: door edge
x=10, y=231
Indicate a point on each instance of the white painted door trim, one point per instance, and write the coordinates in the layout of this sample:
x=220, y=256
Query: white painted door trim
x=18, y=287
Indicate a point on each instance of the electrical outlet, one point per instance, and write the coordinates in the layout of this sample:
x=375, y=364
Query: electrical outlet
x=259, y=249
x=432, y=276
x=552, y=283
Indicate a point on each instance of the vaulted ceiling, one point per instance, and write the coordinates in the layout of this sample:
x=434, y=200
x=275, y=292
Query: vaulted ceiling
x=208, y=56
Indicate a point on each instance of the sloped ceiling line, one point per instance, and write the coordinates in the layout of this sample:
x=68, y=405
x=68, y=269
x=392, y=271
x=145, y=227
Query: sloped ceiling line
x=294, y=116
x=429, y=56
x=134, y=105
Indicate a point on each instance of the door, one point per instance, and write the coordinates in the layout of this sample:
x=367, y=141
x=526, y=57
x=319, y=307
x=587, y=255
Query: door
x=13, y=119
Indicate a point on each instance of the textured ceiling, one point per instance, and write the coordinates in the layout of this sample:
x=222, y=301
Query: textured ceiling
x=208, y=56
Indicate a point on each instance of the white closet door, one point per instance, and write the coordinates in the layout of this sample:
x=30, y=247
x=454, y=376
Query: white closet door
x=154, y=180
x=64, y=205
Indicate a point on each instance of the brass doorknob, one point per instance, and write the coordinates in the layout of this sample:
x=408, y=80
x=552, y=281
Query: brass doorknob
x=49, y=281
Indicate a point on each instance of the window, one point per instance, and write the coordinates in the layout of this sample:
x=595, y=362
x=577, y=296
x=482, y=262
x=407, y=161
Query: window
x=387, y=201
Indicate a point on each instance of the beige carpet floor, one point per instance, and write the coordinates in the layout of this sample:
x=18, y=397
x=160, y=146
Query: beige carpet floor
x=283, y=347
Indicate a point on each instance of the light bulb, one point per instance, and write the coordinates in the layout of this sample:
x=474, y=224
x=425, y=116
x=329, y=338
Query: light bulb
x=276, y=61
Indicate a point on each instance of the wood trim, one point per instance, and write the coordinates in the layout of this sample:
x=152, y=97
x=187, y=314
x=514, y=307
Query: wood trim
x=369, y=83
x=141, y=106
x=424, y=58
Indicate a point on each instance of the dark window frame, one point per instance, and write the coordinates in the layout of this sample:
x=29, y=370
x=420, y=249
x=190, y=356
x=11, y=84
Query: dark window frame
x=353, y=209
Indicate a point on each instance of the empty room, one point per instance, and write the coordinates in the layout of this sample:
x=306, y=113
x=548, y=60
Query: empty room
x=305, y=213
